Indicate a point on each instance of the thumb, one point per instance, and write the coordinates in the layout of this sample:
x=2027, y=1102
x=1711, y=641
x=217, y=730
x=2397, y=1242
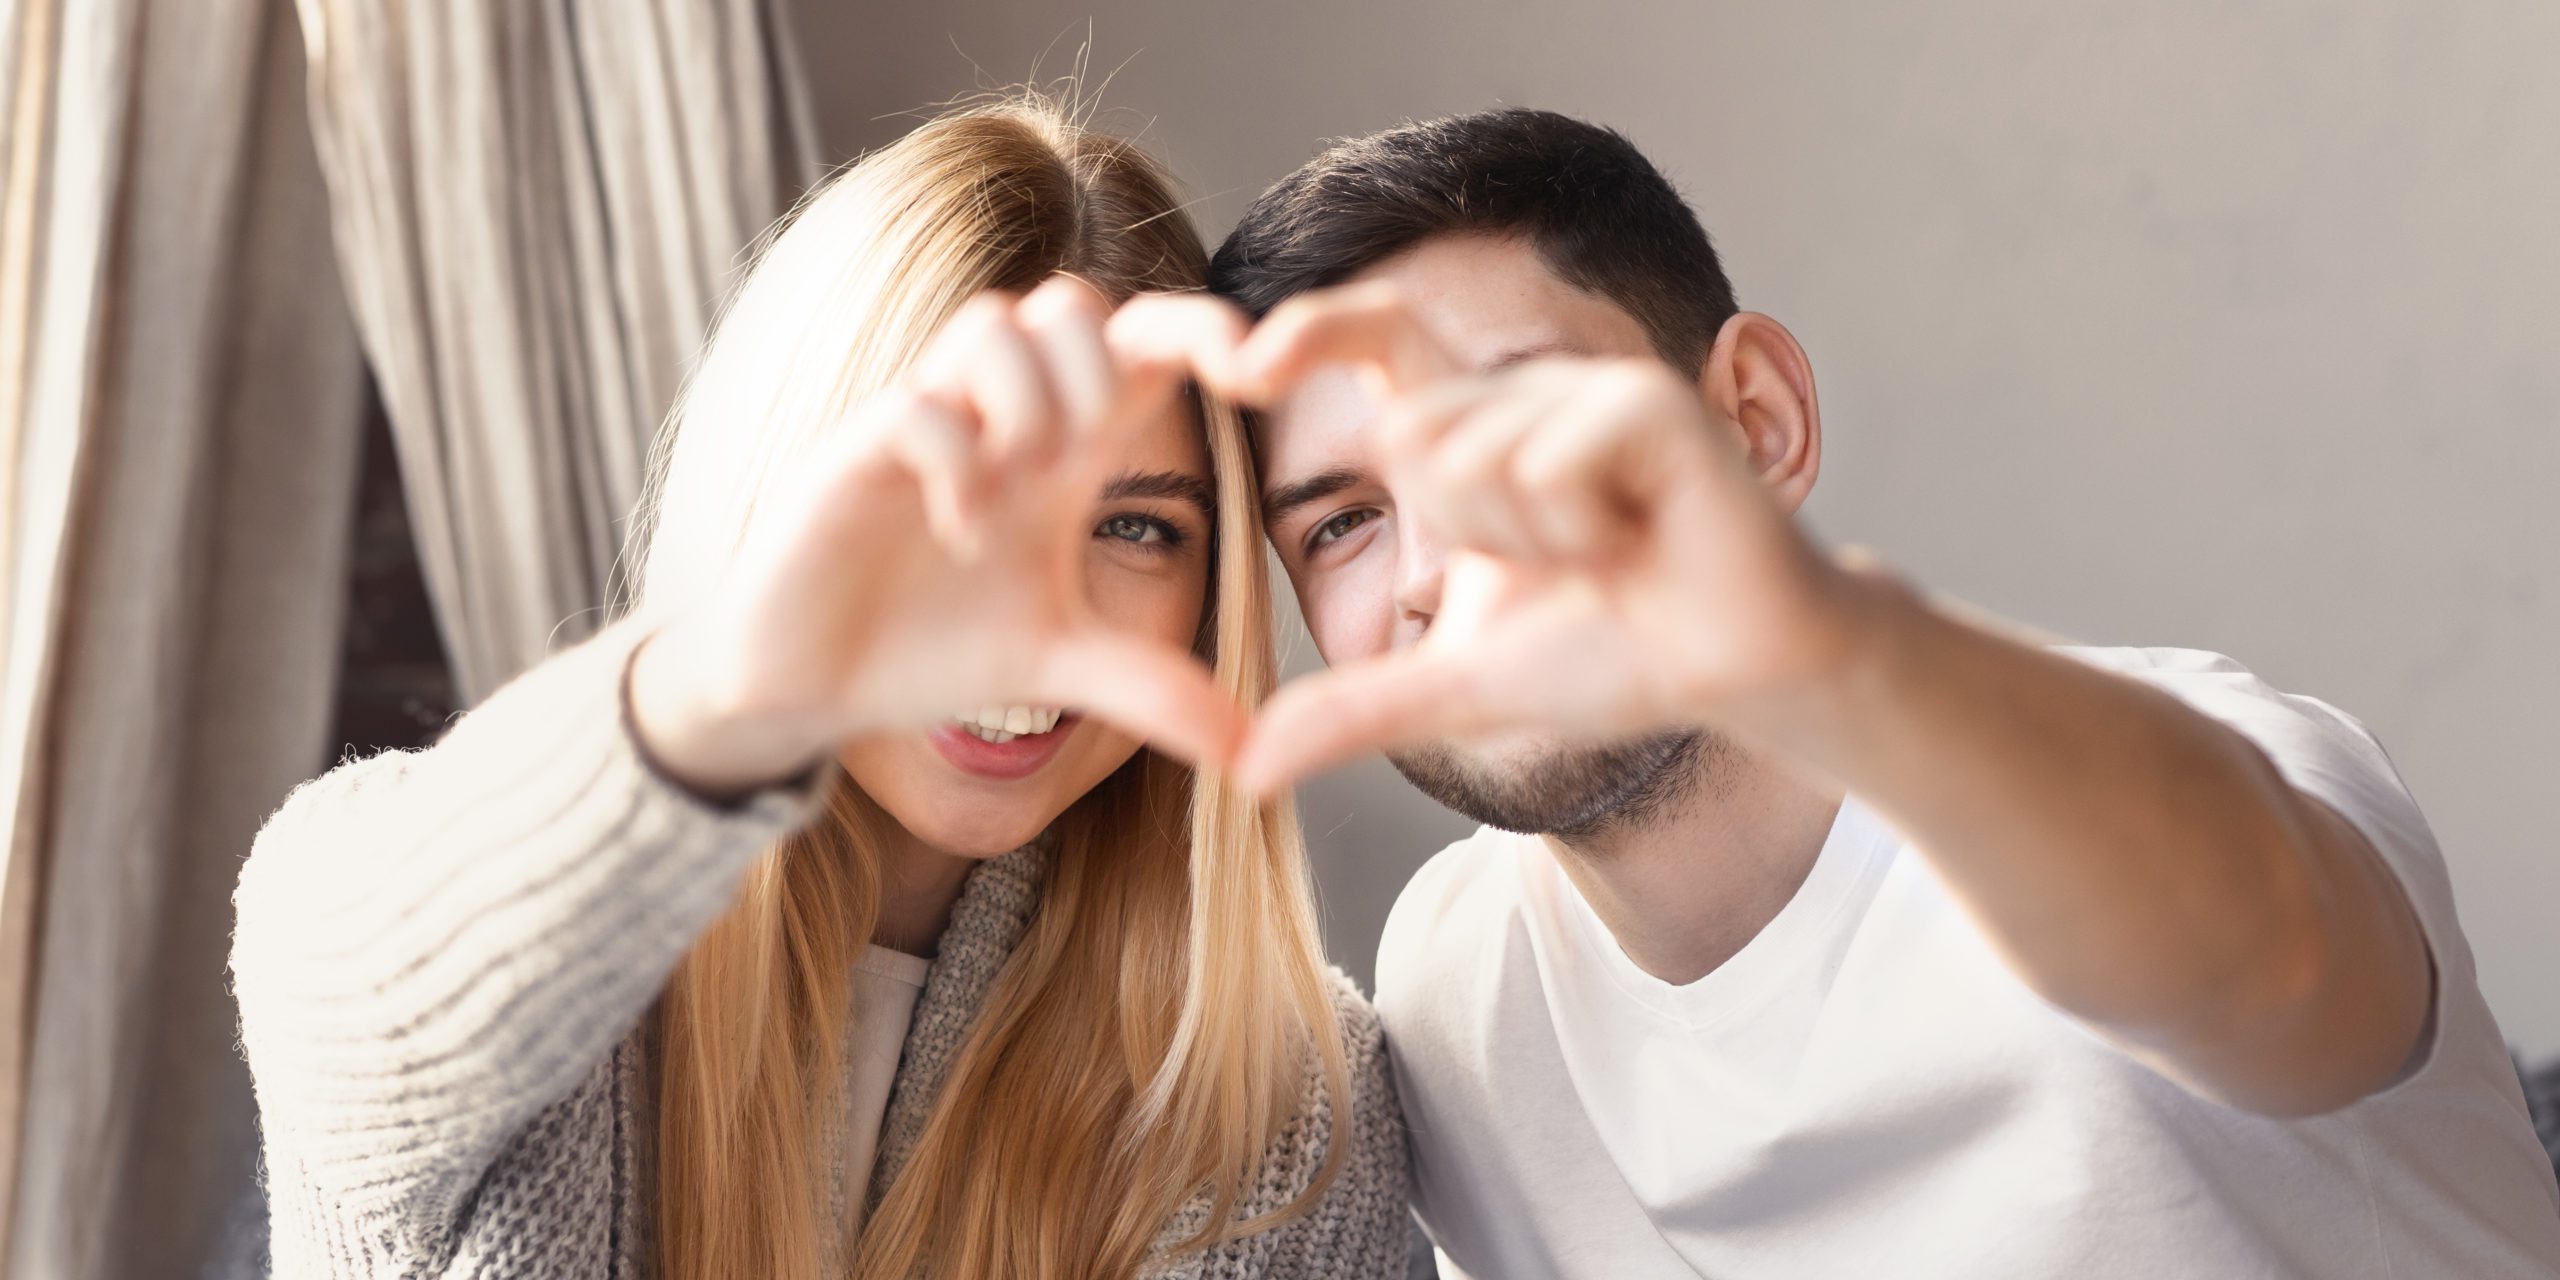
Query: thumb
x=1318, y=721
x=1159, y=693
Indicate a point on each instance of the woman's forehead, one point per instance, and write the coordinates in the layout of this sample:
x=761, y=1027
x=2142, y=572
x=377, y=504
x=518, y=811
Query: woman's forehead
x=1169, y=440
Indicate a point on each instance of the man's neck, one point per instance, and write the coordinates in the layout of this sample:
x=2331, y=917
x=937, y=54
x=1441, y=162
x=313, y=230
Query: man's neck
x=1694, y=882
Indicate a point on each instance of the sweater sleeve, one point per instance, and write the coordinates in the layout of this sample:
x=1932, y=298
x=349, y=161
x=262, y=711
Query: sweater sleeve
x=432, y=947
x=1362, y=1227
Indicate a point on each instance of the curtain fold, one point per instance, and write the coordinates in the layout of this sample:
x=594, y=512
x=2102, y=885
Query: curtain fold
x=538, y=206
x=179, y=401
x=523, y=215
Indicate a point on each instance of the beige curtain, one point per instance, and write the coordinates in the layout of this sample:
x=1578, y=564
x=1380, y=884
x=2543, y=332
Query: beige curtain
x=538, y=204
x=179, y=399
x=534, y=207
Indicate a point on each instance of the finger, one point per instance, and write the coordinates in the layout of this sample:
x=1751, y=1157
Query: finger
x=1570, y=477
x=1168, y=337
x=1318, y=721
x=1365, y=325
x=1063, y=320
x=1162, y=341
x=1465, y=484
x=1460, y=487
x=983, y=357
x=1162, y=695
x=1413, y=425
x=938, y=446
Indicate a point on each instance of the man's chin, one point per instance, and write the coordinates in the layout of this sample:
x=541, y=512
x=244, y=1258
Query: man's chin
x=1521, y=754
x=1545, y=785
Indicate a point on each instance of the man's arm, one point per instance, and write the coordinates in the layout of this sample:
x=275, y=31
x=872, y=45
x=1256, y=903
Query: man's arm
x=2139, y=864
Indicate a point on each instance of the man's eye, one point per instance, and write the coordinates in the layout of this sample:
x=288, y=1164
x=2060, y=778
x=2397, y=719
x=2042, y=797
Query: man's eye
x=1138, y=529
x=1340, y=526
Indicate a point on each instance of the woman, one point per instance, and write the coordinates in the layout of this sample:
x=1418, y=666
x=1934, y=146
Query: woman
x=616, y=981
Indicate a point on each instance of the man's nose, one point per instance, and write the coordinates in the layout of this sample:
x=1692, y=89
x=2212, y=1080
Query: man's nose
x=1418, y=568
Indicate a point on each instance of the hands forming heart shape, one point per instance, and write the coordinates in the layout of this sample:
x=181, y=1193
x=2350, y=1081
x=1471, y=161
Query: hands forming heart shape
x=1615, y=564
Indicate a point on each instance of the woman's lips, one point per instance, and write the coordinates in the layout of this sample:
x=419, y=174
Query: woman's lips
x=1019, y=758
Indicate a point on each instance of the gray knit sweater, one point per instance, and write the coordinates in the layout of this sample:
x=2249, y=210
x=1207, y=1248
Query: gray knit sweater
x=443, y=963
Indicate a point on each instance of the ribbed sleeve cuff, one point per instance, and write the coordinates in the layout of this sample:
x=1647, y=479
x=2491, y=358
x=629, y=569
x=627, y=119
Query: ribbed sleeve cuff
x=433, y=946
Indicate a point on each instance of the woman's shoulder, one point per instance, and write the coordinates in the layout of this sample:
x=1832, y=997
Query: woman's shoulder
x=1374, y=1125
x=1364, y=1038
x=1358, y=1224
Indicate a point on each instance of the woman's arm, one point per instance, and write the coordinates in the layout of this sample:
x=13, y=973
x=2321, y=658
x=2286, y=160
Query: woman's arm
x=433, y=946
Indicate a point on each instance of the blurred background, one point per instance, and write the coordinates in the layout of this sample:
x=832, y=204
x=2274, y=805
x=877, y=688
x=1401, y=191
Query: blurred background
x=329, y=333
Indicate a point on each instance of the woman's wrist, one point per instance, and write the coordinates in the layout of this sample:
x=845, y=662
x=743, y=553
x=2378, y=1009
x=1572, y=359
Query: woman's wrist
x=695, y=735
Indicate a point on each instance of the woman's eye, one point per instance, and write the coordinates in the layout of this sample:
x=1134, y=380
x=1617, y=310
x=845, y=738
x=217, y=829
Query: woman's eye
x=1139, y=529
x=1340, y=525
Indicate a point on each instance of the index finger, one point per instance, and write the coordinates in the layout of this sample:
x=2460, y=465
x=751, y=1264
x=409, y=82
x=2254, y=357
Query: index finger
x=1317, y=721
x=1157, y=342
x=1369, y=326
x=1161, y=338
x=1163, y=696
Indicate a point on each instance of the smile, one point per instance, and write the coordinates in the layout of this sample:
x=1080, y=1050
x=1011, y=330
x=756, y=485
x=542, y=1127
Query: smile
x=1004, y=724
x=1003, y=743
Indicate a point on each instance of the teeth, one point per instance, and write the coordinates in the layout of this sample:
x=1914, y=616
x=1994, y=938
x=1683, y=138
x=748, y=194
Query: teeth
x=1004, y=724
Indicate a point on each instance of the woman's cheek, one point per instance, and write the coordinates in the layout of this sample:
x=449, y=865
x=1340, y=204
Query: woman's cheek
x=1161, y=601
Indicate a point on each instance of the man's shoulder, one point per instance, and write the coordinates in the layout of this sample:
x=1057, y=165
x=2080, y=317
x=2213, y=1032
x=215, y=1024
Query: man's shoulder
x=2301, y=734
x=1465, y=897
x=2134, y=659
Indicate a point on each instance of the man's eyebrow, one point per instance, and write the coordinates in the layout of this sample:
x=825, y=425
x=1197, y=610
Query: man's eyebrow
x=1281, y=501
x=1518, y=355
x=1176, y=485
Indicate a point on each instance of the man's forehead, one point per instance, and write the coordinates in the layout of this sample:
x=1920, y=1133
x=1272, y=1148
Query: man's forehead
x=1493, y=300
x=1323, y=422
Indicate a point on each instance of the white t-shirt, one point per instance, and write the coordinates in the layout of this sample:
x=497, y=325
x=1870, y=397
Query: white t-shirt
x=1865, y=1090
x=885, y=986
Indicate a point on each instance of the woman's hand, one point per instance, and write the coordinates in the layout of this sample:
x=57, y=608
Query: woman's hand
x=932, y=559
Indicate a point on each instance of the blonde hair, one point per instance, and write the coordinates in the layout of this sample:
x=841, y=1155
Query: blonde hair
x=1154, y=1028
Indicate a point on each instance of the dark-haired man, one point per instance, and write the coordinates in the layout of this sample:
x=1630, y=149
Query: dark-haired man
x=1814, y=930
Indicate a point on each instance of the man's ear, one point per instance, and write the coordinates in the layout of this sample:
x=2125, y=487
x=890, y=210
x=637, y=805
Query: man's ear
x=1759, y=378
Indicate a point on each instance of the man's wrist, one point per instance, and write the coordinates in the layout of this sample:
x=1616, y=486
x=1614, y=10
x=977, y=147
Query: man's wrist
x=1865, y=622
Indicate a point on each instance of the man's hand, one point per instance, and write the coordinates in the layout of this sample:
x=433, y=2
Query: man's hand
x=1616, y=566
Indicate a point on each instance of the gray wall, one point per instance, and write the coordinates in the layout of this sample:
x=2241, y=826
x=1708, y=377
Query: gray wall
x=2213, y=324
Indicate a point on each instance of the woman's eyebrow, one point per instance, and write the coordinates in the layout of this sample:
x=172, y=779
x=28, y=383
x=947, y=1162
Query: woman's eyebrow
x=1179, y=486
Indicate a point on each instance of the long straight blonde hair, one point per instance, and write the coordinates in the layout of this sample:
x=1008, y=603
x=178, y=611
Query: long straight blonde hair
x=1158, y=1023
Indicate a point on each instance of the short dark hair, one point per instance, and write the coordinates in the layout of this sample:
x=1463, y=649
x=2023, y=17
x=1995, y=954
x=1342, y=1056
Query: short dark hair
x=1601, y=216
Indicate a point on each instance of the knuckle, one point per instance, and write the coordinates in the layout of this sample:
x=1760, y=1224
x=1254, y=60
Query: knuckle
x=1379, y=297
x=1065, y=301
x=1629, y=381
x=983, y=314
x=1405, y=435
x=1542, y=470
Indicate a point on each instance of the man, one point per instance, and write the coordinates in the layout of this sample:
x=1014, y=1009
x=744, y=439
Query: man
x=1815, y=929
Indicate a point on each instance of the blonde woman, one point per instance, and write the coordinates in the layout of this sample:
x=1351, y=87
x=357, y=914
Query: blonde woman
x=720, y=946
